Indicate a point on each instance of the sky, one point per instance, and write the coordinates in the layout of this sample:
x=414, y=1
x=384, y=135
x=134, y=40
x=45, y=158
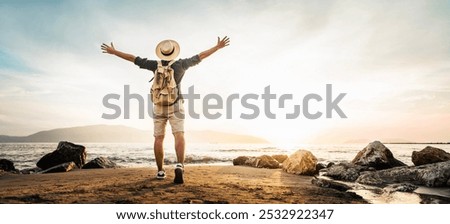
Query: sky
x=391, y=59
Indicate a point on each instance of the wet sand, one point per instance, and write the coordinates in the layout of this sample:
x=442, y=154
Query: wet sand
x=203, y=184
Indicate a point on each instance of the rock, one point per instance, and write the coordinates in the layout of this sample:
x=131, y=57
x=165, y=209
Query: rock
x=319, y=167
x=302, y=162
x=280, y=158
x=376, y=155
x=320, y=182
x=100, y=163
x=64, y=167
x=7, y=165
x=345, y=171
x=251, y=161
x=263, y=161
x=65, y=152
x=404, y=187
x=268, y=162
x=240, y=161
x=430, y=175
x=429, y=155
x=433, y=199
x=31, y=170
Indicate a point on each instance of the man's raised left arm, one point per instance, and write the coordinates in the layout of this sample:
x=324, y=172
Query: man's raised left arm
x=221, y=43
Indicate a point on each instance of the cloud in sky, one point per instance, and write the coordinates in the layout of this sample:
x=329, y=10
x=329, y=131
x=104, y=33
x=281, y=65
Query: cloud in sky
x=391, y=58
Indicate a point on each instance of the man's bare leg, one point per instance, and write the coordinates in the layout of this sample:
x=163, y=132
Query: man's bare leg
x=159, y=151
x=179, y=146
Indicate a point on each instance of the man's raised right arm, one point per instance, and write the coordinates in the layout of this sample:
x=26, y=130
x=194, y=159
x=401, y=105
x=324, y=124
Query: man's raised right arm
x=112, y=50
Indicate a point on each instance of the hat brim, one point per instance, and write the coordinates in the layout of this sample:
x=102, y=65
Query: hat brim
x=175, y=53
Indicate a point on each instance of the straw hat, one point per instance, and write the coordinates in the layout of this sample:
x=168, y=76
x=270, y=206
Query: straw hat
x=167, y=50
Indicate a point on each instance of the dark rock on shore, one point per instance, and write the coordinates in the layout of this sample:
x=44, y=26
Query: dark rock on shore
x=65, y=152
x=240, y=161
x=378, y=156
x=430, y=175
x=433, y=199
x=319, y=167
x=61, y=168
x=345, y=171
x=263, y=161
x=320, y=182
x=302, y=162
x=404, y=187
x=7, y=165
x=100, y=163
x=31, y=170
x=429, y=155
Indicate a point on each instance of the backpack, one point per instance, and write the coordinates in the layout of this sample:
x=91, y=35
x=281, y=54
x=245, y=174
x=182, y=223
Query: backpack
x=164, y=89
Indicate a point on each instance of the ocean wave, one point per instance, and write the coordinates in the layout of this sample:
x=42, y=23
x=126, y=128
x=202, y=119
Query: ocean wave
x=197, y=160
x=266, y=149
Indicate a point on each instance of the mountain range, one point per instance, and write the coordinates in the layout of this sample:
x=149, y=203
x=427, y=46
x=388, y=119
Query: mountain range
x=124, y=134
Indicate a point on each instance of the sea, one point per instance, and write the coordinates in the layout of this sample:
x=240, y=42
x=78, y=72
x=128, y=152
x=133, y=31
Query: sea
x=26, y=155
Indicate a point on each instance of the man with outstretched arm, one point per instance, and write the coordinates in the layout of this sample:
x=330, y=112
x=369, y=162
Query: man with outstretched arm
x=168, y=51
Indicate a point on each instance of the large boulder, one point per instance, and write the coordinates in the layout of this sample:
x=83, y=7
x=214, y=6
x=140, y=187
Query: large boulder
x=61, y=168
x=429, y=155
x=345, y=171
x=431, y=175
x=263, y=161
x=6, y=165
x=302, y=162
x=65, y=152
x=378, y=156
x=100, y=163
x=268, y=162
x=280, y=158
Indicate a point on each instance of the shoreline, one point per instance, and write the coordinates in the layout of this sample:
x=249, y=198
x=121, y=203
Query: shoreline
x=203, y=184
x=25, y=155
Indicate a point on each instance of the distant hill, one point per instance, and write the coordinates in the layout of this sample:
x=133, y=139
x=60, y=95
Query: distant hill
x=119, y=133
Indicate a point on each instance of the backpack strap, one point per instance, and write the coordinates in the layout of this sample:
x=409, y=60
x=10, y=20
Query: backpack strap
x=178, y=87
x=160, y=64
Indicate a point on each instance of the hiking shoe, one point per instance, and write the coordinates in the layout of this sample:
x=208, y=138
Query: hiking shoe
x=161, y=175
x=179, y=170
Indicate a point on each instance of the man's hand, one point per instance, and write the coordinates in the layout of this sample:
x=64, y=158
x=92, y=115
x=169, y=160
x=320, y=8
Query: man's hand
x=220, y=44
x=112, y=50
x=108, y=49
x=223, y=43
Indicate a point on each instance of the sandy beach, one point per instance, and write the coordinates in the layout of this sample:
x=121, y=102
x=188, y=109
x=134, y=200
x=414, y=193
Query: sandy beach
x=203, y=184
